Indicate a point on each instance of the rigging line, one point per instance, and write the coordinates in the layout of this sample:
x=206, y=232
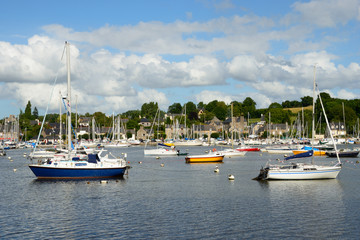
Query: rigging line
x=47, y=107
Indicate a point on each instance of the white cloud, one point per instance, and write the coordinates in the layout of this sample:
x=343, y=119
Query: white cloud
x=345, y=94
x=117, y=68
x=328, y=13
x=208, y=96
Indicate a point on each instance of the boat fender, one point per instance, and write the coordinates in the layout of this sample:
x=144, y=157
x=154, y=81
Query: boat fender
x=214, y=149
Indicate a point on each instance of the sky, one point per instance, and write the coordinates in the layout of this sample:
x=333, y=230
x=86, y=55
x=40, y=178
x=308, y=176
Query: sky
x=127, y=53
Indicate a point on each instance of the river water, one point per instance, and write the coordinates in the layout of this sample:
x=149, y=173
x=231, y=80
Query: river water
x=178, y=201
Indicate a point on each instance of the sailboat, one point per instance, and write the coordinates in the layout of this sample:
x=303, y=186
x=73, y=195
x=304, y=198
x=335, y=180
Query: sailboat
x=231, y=152
x=302, y=171
x=95, y=166
x=161, y=149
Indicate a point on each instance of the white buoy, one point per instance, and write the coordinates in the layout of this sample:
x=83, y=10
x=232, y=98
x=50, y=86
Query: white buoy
x=216, y=169
x=9, y=158
x=231, y=177
x=161, y=165
x=140, y=162
x=157, y=157
x=103, y=181
x=285, y=155
x=15, y=169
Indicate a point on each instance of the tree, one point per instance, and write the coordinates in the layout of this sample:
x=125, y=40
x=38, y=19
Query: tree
x=148, y=110
x=306, y=101
x=191, y=111
x=211, y=105
x=278, y=115
x=208, y=115
x=249, y=106
x=175, y=108
x=201, y=105
x=275, y=105
x=35, y=113
x=237, y=108
x=221, y=110
x=27, y=113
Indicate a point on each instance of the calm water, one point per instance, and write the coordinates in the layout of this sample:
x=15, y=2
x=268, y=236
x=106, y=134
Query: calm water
x=178, y=201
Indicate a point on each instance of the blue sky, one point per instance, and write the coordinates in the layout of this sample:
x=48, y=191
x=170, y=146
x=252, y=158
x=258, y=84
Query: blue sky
x=126, y=53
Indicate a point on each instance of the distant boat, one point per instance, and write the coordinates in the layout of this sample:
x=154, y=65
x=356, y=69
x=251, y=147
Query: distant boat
x=70, y=167
x=248, y=149
x=211, y=157
x=161, y=151
x=317, y=152
x=343, y=153
x=230, y=152
x=302, y=171
x=188, y=143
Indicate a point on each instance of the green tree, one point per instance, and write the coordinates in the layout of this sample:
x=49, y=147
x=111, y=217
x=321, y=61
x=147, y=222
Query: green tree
x=208, y=115
x=191, y=111
x=175, y=108
x=200, y=105
x=211, y=106
x=35, y=113
x=237, y=108
x=278, y=115
x=275, y=105
x=221, y=111
x=27, y=113
x=148, y=110
x=306, y=101
x=249, y=106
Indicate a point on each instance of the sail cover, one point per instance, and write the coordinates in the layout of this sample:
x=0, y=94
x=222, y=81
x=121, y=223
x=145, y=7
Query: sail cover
x=301, y=155
x=163, y=145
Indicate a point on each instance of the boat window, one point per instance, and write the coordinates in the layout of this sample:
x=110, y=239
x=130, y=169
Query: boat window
x=80, y=164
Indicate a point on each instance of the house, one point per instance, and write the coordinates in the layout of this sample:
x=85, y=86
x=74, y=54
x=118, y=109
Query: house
x=84, y=121
x=145, y=122
x=143, y=134
x=338, y=129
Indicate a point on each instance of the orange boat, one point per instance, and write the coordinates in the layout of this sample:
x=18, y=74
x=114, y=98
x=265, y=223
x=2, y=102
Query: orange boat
x=212, y=157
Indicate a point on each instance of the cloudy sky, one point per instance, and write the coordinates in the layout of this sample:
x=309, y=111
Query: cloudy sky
x=126, y=53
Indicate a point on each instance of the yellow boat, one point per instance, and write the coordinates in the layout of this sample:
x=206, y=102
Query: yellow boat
x=212, y=157
x=316, y=152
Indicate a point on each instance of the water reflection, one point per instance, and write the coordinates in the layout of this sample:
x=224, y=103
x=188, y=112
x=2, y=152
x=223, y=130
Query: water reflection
x=311, y=206
x=77, y=181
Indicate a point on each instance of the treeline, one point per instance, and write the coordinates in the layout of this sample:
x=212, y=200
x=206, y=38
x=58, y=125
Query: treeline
x=201, y=113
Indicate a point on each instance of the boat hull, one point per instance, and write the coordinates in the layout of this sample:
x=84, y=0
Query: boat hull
x=249, y=149
x=50, y=172
x=316, y=152
x=298, y=174
x=352, y=154
x=160, y=152
x=204, y=159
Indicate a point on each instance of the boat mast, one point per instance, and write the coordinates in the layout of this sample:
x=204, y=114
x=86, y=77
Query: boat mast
x=343, y=117
x=232, y=125
x=68, y=95
x=60, y=132
x=313, y=118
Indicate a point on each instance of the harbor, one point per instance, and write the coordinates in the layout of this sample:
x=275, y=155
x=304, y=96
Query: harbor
x=165, y=198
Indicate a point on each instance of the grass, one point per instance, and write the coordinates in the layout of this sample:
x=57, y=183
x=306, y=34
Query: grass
x=298, y=109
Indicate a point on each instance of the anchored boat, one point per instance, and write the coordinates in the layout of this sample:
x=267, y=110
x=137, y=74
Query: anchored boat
x=211, y=157
x=95, y=166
